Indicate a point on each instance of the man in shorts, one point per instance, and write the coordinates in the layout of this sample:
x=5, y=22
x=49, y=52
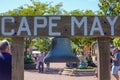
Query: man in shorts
x=115, y=63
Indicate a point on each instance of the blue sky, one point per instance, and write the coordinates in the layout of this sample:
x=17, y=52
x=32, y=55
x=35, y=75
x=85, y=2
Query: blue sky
x=6, y=5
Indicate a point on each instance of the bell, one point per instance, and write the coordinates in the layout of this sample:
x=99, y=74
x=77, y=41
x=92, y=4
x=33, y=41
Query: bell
x=61, y=51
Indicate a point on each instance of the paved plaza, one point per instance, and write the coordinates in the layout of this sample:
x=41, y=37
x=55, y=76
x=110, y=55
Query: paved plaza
x=52, y=74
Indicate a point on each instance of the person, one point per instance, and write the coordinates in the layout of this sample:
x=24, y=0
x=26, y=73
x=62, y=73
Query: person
x=5, y=60
x=115, y=63
x=96, y=69
x=41, y=62
x=47, y=63
x=37, y=61
x=89, y=60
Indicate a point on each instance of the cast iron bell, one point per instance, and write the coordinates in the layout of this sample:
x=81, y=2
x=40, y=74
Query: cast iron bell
x=61, y=51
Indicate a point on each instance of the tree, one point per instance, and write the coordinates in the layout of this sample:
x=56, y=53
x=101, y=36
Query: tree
x=78, y=12
x=37, y=9
x=43, y=44
x=116, y=42
x=111, y=8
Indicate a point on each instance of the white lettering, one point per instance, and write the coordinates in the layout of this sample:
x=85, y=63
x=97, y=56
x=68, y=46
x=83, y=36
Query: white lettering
x=36, y=25
x=112, y=23
x=24, y=26
x=79, y=24
x=3, y=26
x=51, y=25
x=96, y=26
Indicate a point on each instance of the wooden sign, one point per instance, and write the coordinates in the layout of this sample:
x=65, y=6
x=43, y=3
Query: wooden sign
x=94, y=26
x=19, y=27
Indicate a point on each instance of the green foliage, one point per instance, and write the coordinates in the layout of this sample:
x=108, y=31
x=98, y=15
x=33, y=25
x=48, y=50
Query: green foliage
x=28, y=60
x=81, y=42
x=37, y=9
x=43, y=44
x=110, y=7
x=6, y=38
x=75, y=48
x=89, y=13
x=116, y=42
x=78, y=12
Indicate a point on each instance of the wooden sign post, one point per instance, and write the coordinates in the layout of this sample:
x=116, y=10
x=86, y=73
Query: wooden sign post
x=104, y=59
x=101, y=27
x=18, y=58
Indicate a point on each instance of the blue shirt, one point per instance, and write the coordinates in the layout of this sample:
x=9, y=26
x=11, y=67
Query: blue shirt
x=116, y=63
x=5, y=66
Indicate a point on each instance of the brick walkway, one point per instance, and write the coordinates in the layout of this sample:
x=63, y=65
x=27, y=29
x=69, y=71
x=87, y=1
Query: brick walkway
x=53, y=74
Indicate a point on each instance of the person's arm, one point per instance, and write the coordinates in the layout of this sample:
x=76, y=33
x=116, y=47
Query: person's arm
x=115, y=57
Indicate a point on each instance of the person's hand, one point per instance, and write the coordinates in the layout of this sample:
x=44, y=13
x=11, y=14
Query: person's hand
x=111, y=57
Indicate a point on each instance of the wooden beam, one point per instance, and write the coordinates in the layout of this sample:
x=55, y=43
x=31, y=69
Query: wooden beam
x=52, y=26
x=104, y=59
x=17, y=58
